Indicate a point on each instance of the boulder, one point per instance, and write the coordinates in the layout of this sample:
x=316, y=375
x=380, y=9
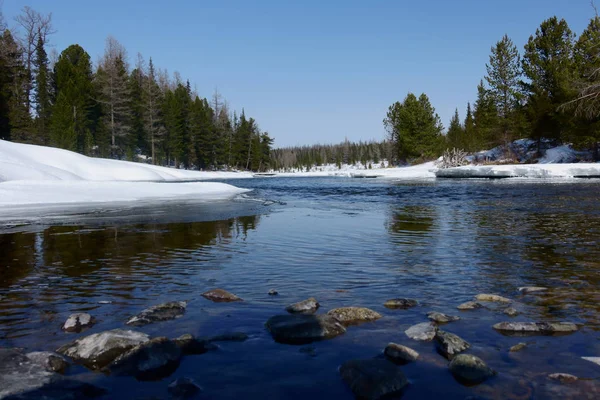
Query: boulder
x=220, y=296
x=98, y=350
x=470, y=370
x=510, y=311
x=50, y=361
x=441, y=318
x=161, y=312
x=492, y=298
x=60, y=389
x=469, y=305
x=303, y=329
x=309, y=305
x=151, y=360
x=373, y=379
x=563, y=378
x=535, y=328
x=518, y=347
x=449, y=344
x=354, y=315
x=400, y=303
x=532, y=289
x=183, y=388
x=424, y=331
x=78, y=322
x=400, y=354
x=189, y=345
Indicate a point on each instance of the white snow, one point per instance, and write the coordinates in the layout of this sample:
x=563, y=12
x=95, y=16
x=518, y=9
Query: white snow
x=420, y=171
x=37, y=175
x=522, y=171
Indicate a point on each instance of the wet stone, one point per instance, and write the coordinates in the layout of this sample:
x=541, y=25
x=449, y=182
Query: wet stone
x=518, y=347
x=189, y=345
x=469, y=305
x=535, y=328
x=183, y=388
x=161, y=312
x=424, y=331
x=220, y=296
x=470, y=370
x=373, y=379
x=492, y=298
x=532, y=289
x=511, y=312
x=354, y=315
x=78, y=322
x=441, y=318
x=50, y=361
x=273, y=292
x=563, y=378
x=303, y=329
x=307, y=306
x=229, y=337
x=449, y=344
x=400, y=354
x=401, y=303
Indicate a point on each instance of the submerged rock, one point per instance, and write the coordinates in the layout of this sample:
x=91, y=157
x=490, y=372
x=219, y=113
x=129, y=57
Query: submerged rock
x=309, y=305
x=470, y=370
x=229, y=337
x=532, y=289
x=303, y=329
x=373, y=379
x=535, y=328
x=183, y=388
x=449, y=344
x=78, y=322
x=220, y=296
x=273, y=292
x=563, y=378
x=61, y=389
x=518, y=347
x=50, y=361
x=400, y=354
x=424, y=331
x=400, y=303
x=441, y=318
x=189, y=345
x=511, y=312
x=161, y=312
x=151, y=360
x=469, y=305
x=99, y=349
x=354, y=315
x=492, y=298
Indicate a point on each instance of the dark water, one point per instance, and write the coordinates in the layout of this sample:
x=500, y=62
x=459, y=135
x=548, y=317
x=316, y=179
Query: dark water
x=345, y=242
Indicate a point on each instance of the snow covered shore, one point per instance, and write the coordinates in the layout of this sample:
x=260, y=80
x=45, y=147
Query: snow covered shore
x=539, y=171
x=37, y=175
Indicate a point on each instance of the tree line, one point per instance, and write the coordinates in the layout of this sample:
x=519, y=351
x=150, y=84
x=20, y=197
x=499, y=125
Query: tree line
x=549, y=91
x=116, y=110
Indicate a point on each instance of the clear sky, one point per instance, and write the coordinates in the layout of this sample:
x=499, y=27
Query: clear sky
x=312, y=71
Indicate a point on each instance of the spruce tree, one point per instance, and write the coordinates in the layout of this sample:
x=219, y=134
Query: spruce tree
x=152, y=98
x=42, y=93
x=485, y=120
x=469, y=130
x=454, y=136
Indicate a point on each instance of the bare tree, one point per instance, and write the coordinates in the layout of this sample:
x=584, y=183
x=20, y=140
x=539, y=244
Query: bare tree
x=36, y=27
x=2, y=21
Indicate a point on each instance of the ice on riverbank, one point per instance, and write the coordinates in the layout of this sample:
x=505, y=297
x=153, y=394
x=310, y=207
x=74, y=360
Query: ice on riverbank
x=539, y=171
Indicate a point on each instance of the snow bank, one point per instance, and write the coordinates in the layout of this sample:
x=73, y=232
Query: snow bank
x=579, y=170
x=36, y=175
x=421, y=171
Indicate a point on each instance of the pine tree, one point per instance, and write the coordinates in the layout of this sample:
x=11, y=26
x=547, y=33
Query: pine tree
x=485, y=120
x=152, y=99
x=454, y=136
x=42, y=93
x=469, y=130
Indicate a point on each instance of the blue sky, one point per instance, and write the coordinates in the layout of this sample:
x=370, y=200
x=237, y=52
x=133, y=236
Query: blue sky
x=312, y=71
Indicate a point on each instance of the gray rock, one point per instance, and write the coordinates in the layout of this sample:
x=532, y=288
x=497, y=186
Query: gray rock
x=184, y=388
x=510, y=311
x=401, y=303
x=532, y=289
x=220, y=296
x=151, y=360
x=303, y=329
x=229, y=337
x=518, y=347
x=441, y=318
x=449, y=344
x=273, y=292
x=469, y=305
x=98, y=350
x=535, y=328
x=354, y=315
x=563, y=378
x=470, y=370
x=189, y=345
x=50, y=361
x=492, y=298
x=400, y=354
x=424, y=331
x=161, y=312
x=373, y=379
x=78, y=322
x=306, y=306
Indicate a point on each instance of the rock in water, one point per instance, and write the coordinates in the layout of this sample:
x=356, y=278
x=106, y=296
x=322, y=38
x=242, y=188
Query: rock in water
x=50, y=361
x=511, y=312
x=441, y=318
x=400, y=354
x=306, y=306
x=161, y=312
x=151, y=360
x=563, y=378
x=401, y=303
x=535, y=328
x=99, y=349
x=449, y=344
x=189, y=345
x=229, y=337
x=220, y=296
x=183, y=388
x=492, y=298
x=373, y=379
x=469, y=305
x=354, y=315
x=77, y=322
x=470, y=370
x=303, y=329
x=273, y=292
x=518, y=347
x=532, y=289
x=424, y=331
